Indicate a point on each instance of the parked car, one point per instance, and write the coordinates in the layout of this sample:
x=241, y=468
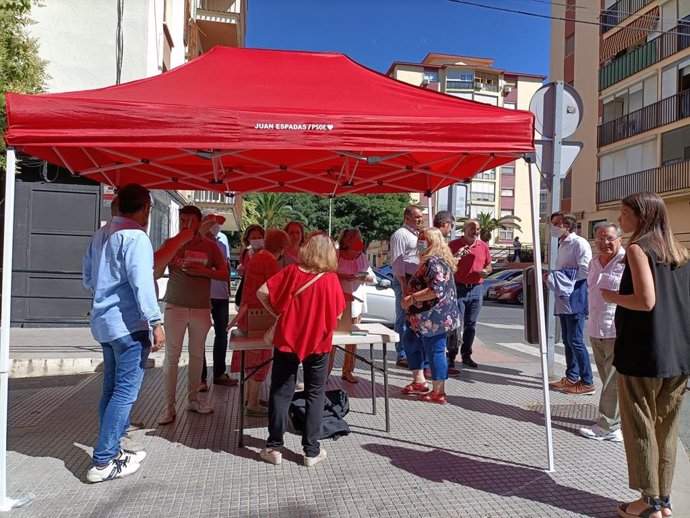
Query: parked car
x=507, y=291
x=381, y=298
x=500, y=276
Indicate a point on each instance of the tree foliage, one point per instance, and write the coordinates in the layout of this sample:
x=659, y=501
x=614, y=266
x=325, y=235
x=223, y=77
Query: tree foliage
x=21, y=68
x=488, y=223
x=377, y=216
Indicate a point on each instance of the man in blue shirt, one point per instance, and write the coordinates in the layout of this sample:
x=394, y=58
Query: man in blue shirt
x=118, y=270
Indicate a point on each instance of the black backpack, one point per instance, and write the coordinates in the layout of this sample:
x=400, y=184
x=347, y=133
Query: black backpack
x=333, y=424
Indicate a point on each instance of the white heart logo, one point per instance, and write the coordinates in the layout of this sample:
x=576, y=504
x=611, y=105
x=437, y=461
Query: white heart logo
x=329, y=127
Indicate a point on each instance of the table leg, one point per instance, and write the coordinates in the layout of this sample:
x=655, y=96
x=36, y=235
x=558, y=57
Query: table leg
x=385, y=386
x=373, y=379
x=240, y=442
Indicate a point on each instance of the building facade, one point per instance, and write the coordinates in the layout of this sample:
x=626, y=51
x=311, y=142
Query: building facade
x=636, y=125
x=91, y=45
x=502, y=191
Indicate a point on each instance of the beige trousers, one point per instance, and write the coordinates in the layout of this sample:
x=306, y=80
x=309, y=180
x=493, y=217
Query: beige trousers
x=609, y=414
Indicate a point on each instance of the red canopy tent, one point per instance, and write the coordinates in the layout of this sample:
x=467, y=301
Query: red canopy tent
x=241, y=120
x=246, y=120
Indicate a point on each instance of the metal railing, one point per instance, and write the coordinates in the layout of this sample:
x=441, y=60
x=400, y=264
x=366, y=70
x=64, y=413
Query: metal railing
x=666, y=178
x=219, y=6
x=618, y=12
x=212, y=197
x=666, y=111
x=655, y=50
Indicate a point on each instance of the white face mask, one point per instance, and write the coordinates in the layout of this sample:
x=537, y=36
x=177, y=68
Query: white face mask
x=257, y=244
x=556, y=232
x=422, y=246
x=215, y=229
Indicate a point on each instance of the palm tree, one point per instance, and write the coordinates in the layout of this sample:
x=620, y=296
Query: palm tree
x=269, y=209
x=488, y=223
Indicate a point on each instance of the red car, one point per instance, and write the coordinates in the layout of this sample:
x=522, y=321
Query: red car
x=507, y=291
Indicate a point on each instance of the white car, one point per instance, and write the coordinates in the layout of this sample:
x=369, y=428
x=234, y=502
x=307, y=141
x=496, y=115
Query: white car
x=380, y=299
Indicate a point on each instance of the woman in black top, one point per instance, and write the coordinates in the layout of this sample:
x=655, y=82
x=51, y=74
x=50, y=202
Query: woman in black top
x=652, y=351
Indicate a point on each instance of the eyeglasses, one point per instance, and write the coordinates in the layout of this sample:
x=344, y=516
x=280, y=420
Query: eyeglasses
x=606, y=240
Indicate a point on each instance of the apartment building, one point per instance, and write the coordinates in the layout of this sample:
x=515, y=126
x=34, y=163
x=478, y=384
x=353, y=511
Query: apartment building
x=89, y=45
x=636, y=123
x=502, y=191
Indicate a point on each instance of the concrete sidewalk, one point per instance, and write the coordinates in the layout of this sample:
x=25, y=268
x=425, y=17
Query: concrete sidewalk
x=482, y=455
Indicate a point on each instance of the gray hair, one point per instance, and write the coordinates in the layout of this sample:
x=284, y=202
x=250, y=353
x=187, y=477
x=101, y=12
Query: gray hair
x=608, y=224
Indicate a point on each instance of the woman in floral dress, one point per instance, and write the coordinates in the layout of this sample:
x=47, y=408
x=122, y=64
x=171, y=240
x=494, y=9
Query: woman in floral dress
x=432, y=311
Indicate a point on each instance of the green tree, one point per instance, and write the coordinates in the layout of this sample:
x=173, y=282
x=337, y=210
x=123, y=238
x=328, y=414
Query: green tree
x=269, y=209
x=21, y=69
x=488, y=223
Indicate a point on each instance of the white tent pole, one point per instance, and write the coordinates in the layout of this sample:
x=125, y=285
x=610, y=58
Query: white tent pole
x=539, y=285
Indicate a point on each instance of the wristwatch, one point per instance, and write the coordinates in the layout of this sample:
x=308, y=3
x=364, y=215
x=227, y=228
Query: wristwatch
x=155, y=324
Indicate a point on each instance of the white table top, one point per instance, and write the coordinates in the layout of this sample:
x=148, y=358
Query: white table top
x=376, y=334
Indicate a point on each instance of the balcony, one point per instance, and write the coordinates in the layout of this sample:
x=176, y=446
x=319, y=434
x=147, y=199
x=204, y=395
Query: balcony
x=220, y=22
x=663, y=179
x=618, y=12
x=226, y=205
x=655, y=115
x=655, y=50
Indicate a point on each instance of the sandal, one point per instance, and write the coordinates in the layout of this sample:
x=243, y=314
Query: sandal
x=349, y=378
x=434, y=397
x=416, y=388
x=653, y=503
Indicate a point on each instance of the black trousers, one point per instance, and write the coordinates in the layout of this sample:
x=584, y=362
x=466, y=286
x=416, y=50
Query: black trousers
x=283, y=379
x=220, y=312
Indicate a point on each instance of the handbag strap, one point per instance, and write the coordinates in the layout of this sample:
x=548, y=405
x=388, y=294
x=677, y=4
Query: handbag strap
x=305, y=286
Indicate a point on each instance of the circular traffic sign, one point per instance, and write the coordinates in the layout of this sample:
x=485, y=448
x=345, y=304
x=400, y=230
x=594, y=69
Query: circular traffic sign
x=543, y=106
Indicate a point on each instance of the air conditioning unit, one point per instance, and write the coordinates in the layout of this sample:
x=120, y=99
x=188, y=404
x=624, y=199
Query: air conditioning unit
x=425, y=83
x=507, y=89
x=478, y=86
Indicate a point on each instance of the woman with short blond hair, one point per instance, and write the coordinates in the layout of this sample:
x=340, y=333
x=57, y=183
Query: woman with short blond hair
x=308, y=302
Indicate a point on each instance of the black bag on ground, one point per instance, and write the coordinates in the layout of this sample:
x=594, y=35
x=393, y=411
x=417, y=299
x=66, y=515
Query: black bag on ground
x=333, y=424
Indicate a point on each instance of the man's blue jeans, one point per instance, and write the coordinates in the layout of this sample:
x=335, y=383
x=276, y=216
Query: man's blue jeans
x=418, y=348
x=576, y=354
x=400, y=319
x=470, y=302
x=124, y=361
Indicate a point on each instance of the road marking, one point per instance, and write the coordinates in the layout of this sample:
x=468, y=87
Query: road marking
x=535, y=351
x=502, y=326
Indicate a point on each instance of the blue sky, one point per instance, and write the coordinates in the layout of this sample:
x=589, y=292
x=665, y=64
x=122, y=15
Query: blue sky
x=378, y=32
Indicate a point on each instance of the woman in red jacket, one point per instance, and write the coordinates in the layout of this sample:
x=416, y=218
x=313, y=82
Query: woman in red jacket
x=309, y=301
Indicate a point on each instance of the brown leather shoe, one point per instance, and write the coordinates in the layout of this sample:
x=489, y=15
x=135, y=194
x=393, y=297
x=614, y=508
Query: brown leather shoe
x=580, y=388
x=562, y=383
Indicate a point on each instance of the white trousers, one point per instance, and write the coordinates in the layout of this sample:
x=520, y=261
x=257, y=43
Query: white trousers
x=177, y=321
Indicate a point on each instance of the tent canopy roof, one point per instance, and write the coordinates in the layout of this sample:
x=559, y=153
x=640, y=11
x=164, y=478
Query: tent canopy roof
x=245, y=120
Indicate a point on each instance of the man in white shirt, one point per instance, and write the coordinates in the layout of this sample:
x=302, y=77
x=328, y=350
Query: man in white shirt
x=404, y=263
x=605, y=272
x=569, y=284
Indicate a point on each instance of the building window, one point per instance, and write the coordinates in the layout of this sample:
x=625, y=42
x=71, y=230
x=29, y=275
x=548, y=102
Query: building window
x=506, y=212
x=508, y=192
x=675, y=146
x=505, y=235
x=459, y=80
x=570, y=45
x=593, y=224
x=508, y=169
x=431, y=76
x=487, y=175
x=485, y=81
x=543, y=203
x=509, y=106
x=482, y=191
x=475, y=210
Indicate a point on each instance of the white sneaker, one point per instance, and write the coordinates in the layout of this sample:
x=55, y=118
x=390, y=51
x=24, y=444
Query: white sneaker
x=199, y=406
x=132, y=456
x=599, y=434
x=271, y=456
x=313, y=461
x=167, y=415
x=114, y=469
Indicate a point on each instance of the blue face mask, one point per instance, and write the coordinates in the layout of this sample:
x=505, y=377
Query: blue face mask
x=422, y=246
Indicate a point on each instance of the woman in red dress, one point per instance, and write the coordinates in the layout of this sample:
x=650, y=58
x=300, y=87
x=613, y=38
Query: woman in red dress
x=257, y=270
x=309, y=301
